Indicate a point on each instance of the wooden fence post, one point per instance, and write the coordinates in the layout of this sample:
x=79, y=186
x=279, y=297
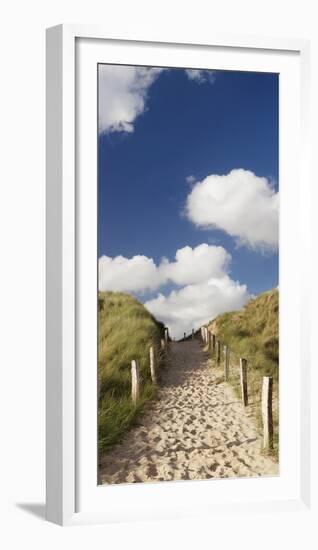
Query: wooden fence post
x=184, y=335
x=167, y=335
x=153, y=365
x=193, y=334
x=218, y=351
x=243, y=377
x=213, y=343
x=135, y=381
x=267, y=412
x=209, y=340
x=226, y=362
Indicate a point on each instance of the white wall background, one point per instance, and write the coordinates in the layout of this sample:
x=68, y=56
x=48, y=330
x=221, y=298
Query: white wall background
x=22, y=185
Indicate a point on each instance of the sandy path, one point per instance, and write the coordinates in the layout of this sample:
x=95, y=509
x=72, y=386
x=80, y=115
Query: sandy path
x=197, y=429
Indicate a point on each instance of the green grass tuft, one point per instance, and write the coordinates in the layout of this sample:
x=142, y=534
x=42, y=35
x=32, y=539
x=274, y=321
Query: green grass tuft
x=126, y=331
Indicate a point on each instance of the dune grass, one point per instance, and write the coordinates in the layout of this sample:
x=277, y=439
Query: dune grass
x=252, y=333
x=126, y=330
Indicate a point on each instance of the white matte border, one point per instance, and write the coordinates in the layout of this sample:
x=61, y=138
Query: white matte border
x=170, y=499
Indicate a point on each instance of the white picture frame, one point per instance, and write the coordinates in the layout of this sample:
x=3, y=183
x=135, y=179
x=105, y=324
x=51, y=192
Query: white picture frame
x=72, y=493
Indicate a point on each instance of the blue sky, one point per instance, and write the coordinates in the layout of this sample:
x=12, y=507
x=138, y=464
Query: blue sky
x=164, y=132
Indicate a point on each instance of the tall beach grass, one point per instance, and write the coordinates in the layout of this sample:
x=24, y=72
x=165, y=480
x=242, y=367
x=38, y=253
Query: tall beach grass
x=126, y=330
x=253, y=333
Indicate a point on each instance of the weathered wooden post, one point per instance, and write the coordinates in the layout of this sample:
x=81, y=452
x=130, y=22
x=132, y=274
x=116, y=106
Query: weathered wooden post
x=202, y=333
x=226, y=362
x=135, y=381
x=243, y=377
x=213, y=343
x=267, y=412
x=218, y=351
x=209, y=340
x=184, y=335
x=192, y=333
x=166, y=335
x=153, y=373
x=163, y=344
x=206, y=334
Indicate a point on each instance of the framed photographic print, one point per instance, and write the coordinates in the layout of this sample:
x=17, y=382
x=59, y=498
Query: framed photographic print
x=177, y=198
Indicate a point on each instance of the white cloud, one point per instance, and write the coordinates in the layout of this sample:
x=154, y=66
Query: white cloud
x=239, y=203
x=195, y=265
x=121, y=274
x=139, y=274
x=201, y=75
x=202, y=272
x=194, y=305
x=123, y=94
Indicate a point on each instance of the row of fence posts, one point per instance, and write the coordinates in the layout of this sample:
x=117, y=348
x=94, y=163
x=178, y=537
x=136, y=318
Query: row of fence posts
x=191, y=335
x=135, y=369
x=185, y=335
x=214, y=345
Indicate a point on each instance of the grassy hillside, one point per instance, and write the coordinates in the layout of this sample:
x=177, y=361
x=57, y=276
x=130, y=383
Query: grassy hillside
x=252, y=333
x=126, y=331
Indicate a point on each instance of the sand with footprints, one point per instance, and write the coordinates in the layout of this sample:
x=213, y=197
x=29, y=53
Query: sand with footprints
x=195, y=429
